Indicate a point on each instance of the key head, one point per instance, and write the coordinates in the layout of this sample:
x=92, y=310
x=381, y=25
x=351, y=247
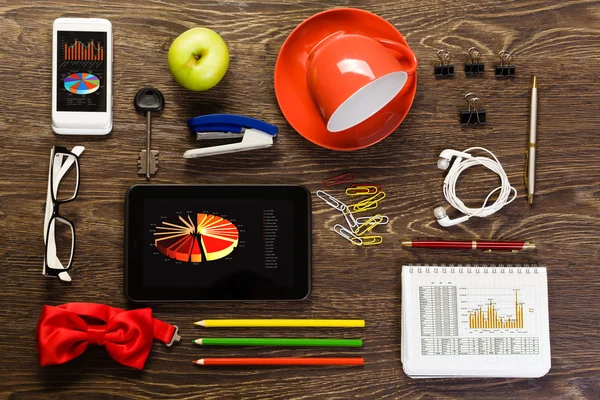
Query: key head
x=149, y=99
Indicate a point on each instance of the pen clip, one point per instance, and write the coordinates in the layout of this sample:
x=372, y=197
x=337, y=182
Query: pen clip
x=500, y=251
x=525, y=178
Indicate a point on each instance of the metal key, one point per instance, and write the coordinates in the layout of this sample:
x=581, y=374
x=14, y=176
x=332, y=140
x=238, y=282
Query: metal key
x=148, y=100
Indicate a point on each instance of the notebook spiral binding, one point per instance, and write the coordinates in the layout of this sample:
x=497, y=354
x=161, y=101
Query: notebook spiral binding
x=474, y=268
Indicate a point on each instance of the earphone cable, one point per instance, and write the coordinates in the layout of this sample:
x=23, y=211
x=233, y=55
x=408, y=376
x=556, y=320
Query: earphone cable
x=504, y=197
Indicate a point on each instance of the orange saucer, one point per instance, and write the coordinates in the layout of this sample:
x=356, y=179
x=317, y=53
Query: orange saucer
x=292, y=93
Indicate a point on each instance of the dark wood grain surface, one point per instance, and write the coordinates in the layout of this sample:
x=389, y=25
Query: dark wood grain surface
x=556, y=39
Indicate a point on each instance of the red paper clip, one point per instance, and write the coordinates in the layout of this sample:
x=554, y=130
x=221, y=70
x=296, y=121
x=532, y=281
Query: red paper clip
x=338, y=180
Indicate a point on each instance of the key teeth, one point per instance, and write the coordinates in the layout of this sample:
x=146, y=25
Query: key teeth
x=141, y=162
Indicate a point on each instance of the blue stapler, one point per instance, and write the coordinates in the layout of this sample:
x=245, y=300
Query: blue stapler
x=256, y=134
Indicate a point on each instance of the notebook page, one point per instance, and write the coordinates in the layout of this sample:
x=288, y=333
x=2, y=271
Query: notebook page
x=475, y=321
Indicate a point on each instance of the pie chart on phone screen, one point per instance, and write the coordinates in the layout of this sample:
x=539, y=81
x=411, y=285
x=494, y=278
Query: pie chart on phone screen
x=82, y=83
x=196, y=238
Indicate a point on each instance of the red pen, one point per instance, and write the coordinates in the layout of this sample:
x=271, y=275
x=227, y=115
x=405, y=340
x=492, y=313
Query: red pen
x=486, y=245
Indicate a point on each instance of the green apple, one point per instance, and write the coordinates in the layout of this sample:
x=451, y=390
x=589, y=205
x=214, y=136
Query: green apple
x=198, y=59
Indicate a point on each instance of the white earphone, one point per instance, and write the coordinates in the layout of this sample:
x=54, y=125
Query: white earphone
x=444, y=220
x=461, y=160
x=447, y=155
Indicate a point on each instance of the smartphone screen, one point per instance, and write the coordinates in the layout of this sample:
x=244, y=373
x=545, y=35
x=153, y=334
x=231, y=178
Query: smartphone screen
x=81, y=69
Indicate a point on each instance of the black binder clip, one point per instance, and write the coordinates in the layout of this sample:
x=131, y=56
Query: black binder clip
x=474, y=115
x=505, y=69
x=474, y=67
x=445, y=69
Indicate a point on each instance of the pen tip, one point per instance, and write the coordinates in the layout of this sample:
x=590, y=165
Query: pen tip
x=407, y=243
x=534, y=83
x=530, y=198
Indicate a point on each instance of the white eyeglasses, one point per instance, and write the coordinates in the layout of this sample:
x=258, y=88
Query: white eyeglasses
x=59, y=232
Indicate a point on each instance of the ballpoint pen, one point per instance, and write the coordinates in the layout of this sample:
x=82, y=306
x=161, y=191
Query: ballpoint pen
x=530, y=172
x=470, y=244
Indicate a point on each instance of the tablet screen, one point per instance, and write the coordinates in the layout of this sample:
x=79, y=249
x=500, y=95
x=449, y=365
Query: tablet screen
x=202, y=243
x=194, y=246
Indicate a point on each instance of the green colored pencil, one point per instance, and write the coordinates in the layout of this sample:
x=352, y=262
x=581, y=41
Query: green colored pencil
x=279, y=342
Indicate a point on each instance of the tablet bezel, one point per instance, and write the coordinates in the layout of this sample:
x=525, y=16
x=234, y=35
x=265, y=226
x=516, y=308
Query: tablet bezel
x=134, y=213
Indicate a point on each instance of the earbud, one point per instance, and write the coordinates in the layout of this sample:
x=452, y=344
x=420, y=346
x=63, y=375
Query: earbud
x=444, y=220
x=449, y=154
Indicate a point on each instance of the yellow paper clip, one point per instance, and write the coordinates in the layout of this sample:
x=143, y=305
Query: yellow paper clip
x=368, y=225
x=368, y=204
x=375, y=198
x=361, y=190
x=368, y=240
x=361, y=220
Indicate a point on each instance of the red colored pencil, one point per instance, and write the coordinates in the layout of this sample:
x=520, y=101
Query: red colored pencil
x=281, y=361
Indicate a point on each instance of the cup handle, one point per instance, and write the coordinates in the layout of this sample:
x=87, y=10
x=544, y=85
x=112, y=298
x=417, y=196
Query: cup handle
x=405, y=51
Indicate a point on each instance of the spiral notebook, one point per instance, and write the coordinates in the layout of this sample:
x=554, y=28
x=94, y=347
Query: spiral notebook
x=475, y=321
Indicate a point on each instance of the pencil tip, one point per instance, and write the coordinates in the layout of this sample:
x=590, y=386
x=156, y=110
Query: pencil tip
x=199, y=323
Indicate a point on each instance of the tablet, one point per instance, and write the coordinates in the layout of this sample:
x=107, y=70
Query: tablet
x=217, y=242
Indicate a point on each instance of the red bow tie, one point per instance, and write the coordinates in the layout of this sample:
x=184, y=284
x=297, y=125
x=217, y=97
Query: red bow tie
x=64, y=332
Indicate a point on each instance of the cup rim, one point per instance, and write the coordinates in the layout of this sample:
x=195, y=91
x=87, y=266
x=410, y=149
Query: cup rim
x=355, y=99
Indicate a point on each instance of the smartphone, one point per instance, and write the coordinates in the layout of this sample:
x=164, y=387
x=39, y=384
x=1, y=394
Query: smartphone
x=82, y=58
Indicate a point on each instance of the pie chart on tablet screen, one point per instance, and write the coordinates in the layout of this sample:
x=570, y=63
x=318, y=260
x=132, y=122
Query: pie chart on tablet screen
x=82, y=83
x=196, y=238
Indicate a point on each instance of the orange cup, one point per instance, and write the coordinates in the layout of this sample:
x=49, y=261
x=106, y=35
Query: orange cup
x=350, y=77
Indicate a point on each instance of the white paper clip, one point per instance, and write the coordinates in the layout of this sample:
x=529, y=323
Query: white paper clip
x=350, y=220
x=348, y=235
x=331, y=201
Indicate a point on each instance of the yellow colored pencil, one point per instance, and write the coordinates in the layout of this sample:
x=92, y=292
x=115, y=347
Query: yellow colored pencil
x=280, y=323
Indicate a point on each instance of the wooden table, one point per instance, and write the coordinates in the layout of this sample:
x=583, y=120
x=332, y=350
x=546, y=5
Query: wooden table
x=557, y=40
